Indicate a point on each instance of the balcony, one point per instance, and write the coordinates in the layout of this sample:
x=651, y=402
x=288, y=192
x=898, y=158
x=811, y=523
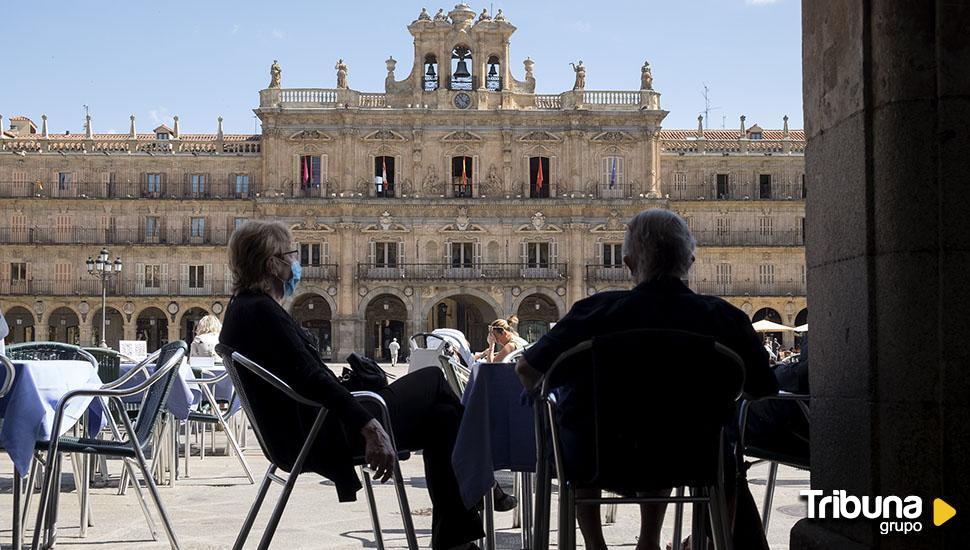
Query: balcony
x=747, y=288
x=708, y=191
x=323, y=272
x=602, y=273
x=128, y=190
x=449, y=272
x=114, y=235
x=749, y=238
x=89, y=286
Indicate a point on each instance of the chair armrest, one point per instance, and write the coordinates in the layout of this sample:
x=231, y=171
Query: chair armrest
x=802, y=399
x=273, y=380
x=208, y=380
x=141, y=366
x=11, y=374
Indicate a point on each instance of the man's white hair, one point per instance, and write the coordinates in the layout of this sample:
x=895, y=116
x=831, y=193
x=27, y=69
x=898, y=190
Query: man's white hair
x=658, y=242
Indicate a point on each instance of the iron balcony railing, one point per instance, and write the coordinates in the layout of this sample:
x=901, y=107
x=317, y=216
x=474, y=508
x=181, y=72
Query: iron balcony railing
x=89, y=286
x=749, y=238
x=129, y=190
x=599, y=273
x=322, y=272
x=748, y=288
x=462, y=272
x=115, y=235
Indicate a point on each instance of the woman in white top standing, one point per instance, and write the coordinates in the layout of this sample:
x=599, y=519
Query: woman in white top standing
x=206, y=337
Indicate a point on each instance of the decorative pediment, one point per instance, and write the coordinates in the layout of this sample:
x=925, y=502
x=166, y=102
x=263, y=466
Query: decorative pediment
x=385, y=224
x=463, y=223
x=613, y=224
x=315, y=135
x=461, y=135
x=539, y=136
x=384, y=135
x=310, y=223
x=539, y=224
x=613, y=137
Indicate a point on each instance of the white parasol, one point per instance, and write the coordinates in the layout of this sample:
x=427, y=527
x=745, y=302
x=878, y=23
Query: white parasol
x=765, y=325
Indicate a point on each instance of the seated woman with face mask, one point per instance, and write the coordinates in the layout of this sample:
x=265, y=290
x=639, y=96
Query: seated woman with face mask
x=424, y=412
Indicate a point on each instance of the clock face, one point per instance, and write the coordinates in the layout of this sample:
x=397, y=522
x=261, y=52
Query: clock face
x=462, y=101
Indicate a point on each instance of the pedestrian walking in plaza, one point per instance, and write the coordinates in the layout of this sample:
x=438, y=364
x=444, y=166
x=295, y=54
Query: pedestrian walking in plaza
x=394, y=347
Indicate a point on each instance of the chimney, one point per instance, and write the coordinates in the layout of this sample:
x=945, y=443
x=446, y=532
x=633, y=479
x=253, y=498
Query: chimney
x=175, y=132
x=131, y=131
x=43, y=127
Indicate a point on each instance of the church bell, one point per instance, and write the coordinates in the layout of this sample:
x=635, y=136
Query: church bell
x=462, y=70
x=430, y=70
x=491, y=70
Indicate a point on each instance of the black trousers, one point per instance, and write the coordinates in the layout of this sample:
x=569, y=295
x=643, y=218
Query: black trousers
x=425, y=414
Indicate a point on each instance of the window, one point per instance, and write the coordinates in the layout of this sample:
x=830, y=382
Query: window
x=430, y=73
x=161, y=135
x=722, y=276
x=612, y=255
x=384, y=176
x=238, y=222
x=385, y=254
x=722, y=226
x=197, y=228
x=62, y=225
x=537, y=254
x=196, y=276
x=804, y=190
x=197, y=184
x=612, y=171
x=462, y=172
x=539, y=177
x=310, y=254
x=723, y=189
x=241, y=185
x=462, y=254
x=153, y=183
x=151, y=227
x=20, y=183
x=461, y=68
x=766, y=274
x=108, y=184
x=18, y=272
x=64, y=181
x=309, y=171
x=493, y=79
x=804, y=276
x=764, y=186
x=63, y=275
x=680, y=183
x=765, y=226
x=755, y=135
x=153, y=276
x=802, y=241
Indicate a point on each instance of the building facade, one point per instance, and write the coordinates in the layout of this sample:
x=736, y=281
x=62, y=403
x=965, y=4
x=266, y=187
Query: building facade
x=457, y=196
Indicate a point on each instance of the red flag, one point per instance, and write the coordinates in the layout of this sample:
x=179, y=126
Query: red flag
x=464, y=176
x=539, y=178
x=384, y=166
x=306, y=169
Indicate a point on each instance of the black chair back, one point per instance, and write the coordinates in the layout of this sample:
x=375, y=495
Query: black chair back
x=109, y=363
x=659, y=401
x=244, y=381
x=48, y=351
x=156, y=396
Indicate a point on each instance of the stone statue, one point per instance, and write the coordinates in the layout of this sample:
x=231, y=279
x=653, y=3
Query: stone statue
x=440, y=16
x=431, y=182
x=484, y=16
x=341, y=68
x=580, y=75
x=529, y=65
x=275, y=74
x=499, y=16
x=423, y=16
x=493, y=184
x=646, y=77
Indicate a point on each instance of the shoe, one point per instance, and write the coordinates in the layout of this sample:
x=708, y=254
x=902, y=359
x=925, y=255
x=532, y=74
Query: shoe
x=502, y=501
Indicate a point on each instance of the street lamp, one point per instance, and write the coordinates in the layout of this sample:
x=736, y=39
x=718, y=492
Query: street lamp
x=103, y=268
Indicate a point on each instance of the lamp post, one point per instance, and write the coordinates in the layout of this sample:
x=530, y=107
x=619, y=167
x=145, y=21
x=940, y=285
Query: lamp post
x=103, y=268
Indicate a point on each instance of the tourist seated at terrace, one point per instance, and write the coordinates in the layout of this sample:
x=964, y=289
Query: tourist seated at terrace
x=206, y=337
x=502, y=336
x=424, y=412
x=658, y=249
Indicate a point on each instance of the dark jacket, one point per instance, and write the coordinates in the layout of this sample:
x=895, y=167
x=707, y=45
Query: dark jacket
x=260, y=329
x=664, y=303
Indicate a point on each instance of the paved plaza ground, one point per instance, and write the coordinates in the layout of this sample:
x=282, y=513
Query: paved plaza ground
x=208, y=508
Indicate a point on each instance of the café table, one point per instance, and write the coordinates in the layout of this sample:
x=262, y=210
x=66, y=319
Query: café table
x=28, y=412
x=497, y=432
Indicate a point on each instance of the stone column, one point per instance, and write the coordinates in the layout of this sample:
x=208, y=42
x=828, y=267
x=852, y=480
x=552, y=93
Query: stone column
x=575, y=288
x=346, y=327
x=888, y=252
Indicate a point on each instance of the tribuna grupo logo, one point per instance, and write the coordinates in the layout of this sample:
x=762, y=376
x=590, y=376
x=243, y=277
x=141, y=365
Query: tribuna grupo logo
x=898, y=514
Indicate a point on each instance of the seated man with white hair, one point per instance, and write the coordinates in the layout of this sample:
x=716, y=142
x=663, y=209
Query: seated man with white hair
x=658, y=248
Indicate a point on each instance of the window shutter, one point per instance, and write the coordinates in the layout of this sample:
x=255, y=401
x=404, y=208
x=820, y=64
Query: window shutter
x=553, y=252
x=227, y=279
x=448, y=253
x=139, y=278
x=400, y=253
x=325, y=252
x=524, y=252
x=372, y=253
x=164, y=281
x=323, y=169
x=478, y=253
x=207, y=278
x=184, y=277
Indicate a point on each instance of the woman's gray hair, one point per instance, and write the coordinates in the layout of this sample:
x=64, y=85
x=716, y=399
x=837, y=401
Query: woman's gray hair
x=251, y=246
x=658, y=242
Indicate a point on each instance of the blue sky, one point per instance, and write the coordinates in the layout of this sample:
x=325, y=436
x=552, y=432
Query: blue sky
x=204, y=58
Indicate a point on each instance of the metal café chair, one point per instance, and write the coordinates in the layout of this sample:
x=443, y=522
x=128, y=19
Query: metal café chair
x=682, y=403
x=763, y=453
x=206, y=381
x=238, y=366
x=157, y=388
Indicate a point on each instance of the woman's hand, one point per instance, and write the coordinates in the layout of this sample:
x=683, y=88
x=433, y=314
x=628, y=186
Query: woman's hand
x=378, y=451
x=490, y=338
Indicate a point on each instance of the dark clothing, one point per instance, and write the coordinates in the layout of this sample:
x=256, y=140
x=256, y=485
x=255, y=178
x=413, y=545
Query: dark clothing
x=781, y=426
x=424, y=413
x=664, y=303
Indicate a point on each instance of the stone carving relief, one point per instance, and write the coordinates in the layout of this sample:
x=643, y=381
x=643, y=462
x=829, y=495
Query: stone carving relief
x=461, y=135
x=386, y=221
x=462, y=220
x=538, y=221
x=310, y=135
x=613, y=222
x=612, y=137
x=492, y=183
x=432, y=184
x=539, y=135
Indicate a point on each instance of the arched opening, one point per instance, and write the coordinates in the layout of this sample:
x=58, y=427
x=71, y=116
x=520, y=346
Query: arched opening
x=770, y=315
x=469, y=314
x=21, y=322
x=462, y=170
x=493, y=78
x=535, y=314
x=462, y=77
x=539, y=177
x=151, y=326
x=114, y=327
x=384, y=319
x=430, y=72
x=312, y=312
x=189, y=320
x=63, y=326
x=800, y=319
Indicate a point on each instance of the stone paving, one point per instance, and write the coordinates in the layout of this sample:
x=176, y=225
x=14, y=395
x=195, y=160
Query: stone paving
x=208, y=508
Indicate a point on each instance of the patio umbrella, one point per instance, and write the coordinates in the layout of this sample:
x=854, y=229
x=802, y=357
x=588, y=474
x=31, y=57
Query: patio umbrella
x=765, y=325
x=802, y=328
